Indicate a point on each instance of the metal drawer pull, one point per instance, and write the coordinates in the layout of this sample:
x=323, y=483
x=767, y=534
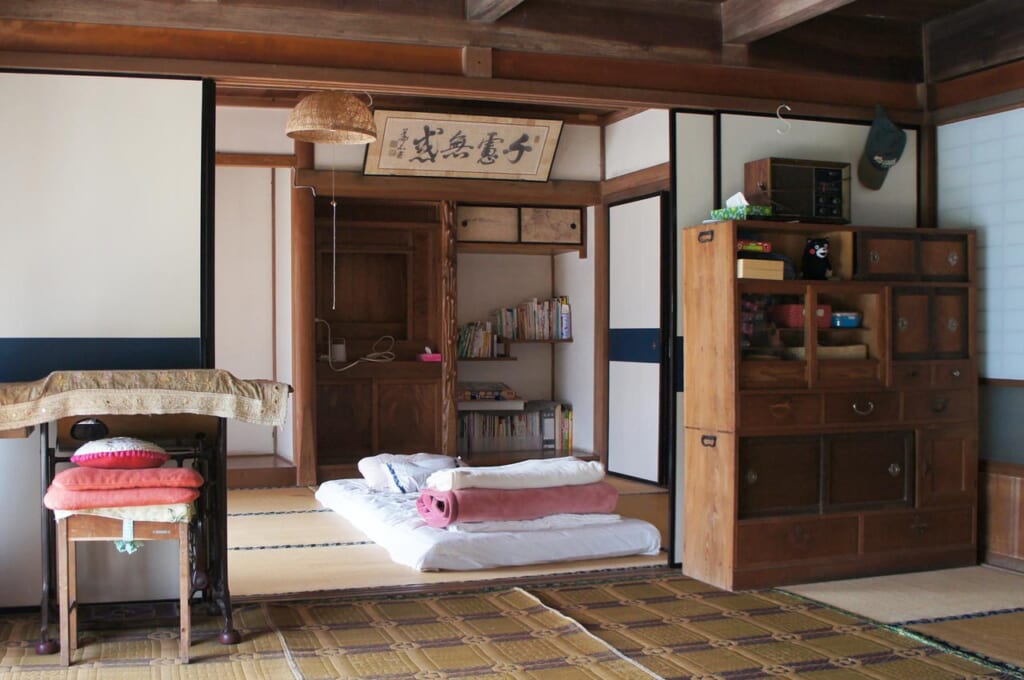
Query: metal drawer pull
x=781, y=409
x=919, y=525
x=864, y=412
x=874, y=256
x=705, y=236
x=956, y=372
x=952, y=258
x=751, y=476
x=895, y=469
x=939, y=404
x=952, y=325
x=902, y=323
x=708, y=440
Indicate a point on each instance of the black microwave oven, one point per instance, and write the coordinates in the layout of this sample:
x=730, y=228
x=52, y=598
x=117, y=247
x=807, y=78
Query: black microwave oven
x=800, y=190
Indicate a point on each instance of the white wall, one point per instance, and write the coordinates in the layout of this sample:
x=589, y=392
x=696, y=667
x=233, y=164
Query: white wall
x=635, y=143
x=748, y=138
x=981, y=186
x=574, y=363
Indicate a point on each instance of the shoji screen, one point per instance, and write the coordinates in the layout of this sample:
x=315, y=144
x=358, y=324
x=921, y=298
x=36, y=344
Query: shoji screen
x=102, y=195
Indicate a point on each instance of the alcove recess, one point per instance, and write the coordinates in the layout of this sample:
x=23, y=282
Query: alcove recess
x=380, y=270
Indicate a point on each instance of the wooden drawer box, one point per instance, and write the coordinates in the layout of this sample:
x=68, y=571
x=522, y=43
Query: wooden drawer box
x=862, y=407
x=760, y=411
x=868, y=470
x=939, y=406
x=795, y=539
x=772, y=374
x=778, y=475
x=943, y=258
x=913, y=530
x=486, y=223
x=551, y=225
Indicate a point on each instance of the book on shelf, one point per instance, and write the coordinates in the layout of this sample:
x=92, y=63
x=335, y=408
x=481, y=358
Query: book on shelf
x=487, y=396
x=542, y=426
x=534, y=319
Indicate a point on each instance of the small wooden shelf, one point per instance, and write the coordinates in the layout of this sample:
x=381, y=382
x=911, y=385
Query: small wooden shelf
x=510, y=341
x=500, y=358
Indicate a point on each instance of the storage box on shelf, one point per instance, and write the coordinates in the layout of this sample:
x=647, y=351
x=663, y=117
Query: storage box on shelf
x=819, y=450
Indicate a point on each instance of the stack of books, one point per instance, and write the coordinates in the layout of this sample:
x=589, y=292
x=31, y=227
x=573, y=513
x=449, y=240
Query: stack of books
x=487, y=396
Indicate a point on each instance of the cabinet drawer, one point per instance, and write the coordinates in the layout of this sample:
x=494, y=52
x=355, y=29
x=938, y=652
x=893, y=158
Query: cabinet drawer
x=758, y=411
x=849, y=372
x=487, y=223
x=911, y=530
x=943, y=258
x=865, y=470
x=552, y=225
x=862, y=407
x=886, y=256
x=786, y=540
x=778, y=475
x=772, y=374
x=953, y=374
x=910, y=374
x=939, y=405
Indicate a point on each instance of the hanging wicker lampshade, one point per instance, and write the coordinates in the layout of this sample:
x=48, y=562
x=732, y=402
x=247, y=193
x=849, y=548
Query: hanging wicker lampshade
x=331, y=118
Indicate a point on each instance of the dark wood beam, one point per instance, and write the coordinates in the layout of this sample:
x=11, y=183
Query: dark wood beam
x=996, y=36
x=489, y=11
x=744, y=21
x=353, y=185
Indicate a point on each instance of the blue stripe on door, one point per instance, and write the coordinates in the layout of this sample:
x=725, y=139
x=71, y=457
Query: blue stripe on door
x=24, y=359
x=637, y=345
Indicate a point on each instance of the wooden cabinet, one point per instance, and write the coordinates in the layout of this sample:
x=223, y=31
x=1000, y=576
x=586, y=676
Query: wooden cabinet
x=380, y=285
x=823, y=449
x=526, y=229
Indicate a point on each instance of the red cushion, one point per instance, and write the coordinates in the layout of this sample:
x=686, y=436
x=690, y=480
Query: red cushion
x=58, y=498
x=90, y=479
x=120, y=452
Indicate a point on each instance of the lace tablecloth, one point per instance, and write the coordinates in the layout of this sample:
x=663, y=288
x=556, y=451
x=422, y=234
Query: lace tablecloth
x=212, y=392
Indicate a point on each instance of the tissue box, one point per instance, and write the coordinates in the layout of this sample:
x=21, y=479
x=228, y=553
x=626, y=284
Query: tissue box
x=741, y=212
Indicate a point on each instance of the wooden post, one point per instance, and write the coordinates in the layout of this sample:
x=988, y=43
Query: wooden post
x=303, y=333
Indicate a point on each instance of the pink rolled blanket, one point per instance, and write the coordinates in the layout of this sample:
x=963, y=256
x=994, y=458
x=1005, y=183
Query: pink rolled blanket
x=441, y=508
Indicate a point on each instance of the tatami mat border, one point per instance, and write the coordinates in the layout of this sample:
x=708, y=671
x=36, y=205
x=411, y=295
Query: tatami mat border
x=263, y=513
x=961, y=617
x=1010, y=670
x=286, y=546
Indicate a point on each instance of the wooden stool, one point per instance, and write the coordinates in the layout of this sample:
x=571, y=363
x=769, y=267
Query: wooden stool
x=95, y=528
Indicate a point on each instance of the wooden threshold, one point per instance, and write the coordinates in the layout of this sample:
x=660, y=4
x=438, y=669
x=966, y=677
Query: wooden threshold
x=247, y=471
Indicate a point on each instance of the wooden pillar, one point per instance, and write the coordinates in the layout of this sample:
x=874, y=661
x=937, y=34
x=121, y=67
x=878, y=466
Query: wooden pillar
x=303, y=332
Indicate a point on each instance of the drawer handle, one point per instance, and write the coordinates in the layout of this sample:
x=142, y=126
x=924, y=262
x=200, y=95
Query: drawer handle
x=952, y=325
x=914, y=373
x=919, y=525
x=895, y=469
x=956, y=372
x=902, y=323
x=952, y=258
x=705, y=236
x=572, y=225
x=874, y=256
x=939, y=404
x=800, y=535
x=864, y=411
x=708, y=440
x=751, y=476
x=781, y=409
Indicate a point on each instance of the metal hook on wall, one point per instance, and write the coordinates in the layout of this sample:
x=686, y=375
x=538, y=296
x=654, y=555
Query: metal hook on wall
x=778, y=114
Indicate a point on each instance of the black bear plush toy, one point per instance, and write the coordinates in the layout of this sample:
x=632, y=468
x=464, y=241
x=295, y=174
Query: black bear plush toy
x=815, y=263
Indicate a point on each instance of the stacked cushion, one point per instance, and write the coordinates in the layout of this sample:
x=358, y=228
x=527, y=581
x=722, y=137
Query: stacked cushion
x=121, y=472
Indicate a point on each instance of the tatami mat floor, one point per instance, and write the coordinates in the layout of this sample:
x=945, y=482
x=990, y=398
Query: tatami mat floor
x=282, y=541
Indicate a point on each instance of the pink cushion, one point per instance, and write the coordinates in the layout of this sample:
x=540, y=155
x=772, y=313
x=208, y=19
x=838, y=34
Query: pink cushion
x=91, y=479
x=59, y=498
x=120, y=452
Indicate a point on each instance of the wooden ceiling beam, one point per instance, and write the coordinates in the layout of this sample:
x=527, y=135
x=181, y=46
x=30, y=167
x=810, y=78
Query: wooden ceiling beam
x=489, y=11
x=996, y=30
x=744, y=21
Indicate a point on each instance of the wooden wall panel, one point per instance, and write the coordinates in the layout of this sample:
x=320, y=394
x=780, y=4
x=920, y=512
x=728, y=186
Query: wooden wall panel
x=1002, y=515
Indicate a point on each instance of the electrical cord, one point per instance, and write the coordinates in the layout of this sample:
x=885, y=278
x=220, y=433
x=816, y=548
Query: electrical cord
x=378, y=354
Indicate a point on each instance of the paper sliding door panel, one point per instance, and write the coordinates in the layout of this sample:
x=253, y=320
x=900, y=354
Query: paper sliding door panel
x=636, y=354
x=244, y=294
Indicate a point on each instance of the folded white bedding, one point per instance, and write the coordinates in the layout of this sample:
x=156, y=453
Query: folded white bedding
x=563, y=520
x=404, y=473
x=391, y=521
x=527, y=474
